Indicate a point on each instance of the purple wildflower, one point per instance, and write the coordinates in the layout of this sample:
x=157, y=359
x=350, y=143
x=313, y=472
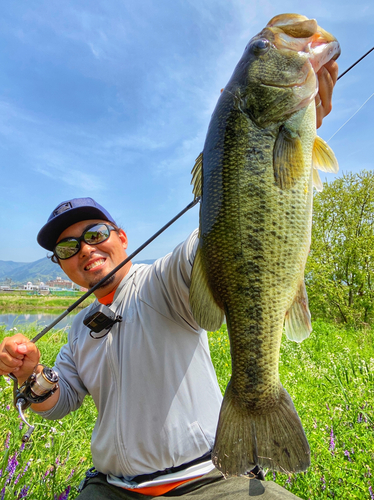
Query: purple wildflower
x=7, y=440
x=359, y=418
x=47, y=472
x=346, y=453
x=323, y=486
x=20, y=425
x=71, y=473
x=274, y=476
x=2, y=493
x=7, y=407
x=23, y=472
x=288, y=481
x=332, y=441
x=65, y=494
x=371, y=493
x=23, y=492
x=22, y=447
x=12, y=465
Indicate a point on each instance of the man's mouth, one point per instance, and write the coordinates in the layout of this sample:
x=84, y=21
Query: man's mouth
x=94, y=264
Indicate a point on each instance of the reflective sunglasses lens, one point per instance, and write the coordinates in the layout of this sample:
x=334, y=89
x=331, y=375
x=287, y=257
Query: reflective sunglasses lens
x=96, y=234
x=67, y=248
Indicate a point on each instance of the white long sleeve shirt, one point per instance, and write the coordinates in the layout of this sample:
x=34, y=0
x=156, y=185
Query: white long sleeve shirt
x=151, y=377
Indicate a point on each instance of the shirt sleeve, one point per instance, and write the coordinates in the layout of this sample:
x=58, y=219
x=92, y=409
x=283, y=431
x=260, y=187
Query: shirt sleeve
x=73, y=392
x=166, y=285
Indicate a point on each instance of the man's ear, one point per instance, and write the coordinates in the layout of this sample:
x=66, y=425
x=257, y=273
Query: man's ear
x=123, y=237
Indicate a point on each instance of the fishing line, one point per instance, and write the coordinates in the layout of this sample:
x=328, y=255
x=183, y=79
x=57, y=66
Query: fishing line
x=344, y=72
x=349, y=119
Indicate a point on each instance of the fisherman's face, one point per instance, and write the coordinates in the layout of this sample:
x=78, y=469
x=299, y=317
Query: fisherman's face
x=93, y=262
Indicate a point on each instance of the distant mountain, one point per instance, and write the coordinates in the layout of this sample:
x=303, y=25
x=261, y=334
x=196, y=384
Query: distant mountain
x=21, y=272
x=42, y=269
x=7, y=267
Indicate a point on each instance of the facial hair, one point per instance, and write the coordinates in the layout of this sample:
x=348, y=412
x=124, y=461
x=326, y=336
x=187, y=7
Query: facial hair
x=106, y=283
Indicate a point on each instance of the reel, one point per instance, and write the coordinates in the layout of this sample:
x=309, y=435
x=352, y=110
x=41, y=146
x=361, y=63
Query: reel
x=41, y=384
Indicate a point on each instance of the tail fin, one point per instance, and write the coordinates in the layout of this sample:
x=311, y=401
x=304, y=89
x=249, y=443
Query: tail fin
x=274, y=439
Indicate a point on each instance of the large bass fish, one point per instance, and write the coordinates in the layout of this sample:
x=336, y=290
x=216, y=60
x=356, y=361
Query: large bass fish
x=255, y=177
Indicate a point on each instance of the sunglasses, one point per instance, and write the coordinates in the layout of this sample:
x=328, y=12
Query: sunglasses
x=93, y=235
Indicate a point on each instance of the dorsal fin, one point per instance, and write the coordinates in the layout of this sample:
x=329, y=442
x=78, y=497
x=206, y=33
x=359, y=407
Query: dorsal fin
x=197, y=174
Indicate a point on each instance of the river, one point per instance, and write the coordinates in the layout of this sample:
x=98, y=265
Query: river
x=18, y=321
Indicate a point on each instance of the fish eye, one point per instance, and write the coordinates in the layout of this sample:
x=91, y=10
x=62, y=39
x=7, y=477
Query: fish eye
x=260, y=46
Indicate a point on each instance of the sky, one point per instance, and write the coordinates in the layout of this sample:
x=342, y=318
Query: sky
x=113, y=100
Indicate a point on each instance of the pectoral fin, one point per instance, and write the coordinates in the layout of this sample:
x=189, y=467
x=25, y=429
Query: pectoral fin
x=197, y=176
x=204, y=308
x=298, y=321
x=288, y=160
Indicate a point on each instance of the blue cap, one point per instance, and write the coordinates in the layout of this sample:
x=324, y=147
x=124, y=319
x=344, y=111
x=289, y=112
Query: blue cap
x=68, y=213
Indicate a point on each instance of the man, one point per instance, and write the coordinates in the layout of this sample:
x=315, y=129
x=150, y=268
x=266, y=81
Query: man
x=150, y=375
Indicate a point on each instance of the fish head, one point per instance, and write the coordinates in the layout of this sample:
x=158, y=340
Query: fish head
x=276, y=75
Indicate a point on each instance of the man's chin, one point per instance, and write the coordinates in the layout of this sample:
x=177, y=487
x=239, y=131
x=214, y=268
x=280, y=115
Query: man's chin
x=106, y=283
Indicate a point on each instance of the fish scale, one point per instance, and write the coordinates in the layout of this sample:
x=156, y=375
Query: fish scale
x=255, y=178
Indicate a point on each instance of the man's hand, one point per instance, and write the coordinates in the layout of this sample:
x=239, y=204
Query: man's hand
x=327, y=77
x=19, y=356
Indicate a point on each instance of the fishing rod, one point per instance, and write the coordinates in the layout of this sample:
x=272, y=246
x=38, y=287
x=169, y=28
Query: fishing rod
x=109, y=275
x=368, y=99
x=354, y=64
x=43, y=382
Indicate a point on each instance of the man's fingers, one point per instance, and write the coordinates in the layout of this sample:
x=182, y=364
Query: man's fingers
x=327, y=77
x=18, y=354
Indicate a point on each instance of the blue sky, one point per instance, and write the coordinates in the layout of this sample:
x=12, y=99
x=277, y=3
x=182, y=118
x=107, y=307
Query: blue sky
x=113, y=100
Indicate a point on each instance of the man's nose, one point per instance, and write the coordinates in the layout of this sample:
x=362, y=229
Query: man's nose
x=85, y=249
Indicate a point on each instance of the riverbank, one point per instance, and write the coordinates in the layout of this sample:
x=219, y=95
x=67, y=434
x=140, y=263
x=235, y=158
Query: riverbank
x=329, y=377
x=40, y=303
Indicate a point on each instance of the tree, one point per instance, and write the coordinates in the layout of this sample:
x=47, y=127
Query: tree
x=340, y=267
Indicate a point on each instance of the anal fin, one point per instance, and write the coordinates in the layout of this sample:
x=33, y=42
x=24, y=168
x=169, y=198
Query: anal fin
x=298, y=320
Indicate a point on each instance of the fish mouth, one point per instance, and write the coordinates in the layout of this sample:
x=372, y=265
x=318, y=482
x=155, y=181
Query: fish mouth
x=298, y=33
x=297, y=36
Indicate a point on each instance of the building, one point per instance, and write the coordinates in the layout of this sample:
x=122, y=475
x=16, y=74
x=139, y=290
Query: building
x=60, y=283
x=30, y=286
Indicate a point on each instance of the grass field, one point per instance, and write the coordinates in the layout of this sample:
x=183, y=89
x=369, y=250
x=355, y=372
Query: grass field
x=330, y=378
x=21, y=303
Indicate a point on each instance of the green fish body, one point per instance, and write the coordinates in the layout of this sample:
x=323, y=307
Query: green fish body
x=255, y=178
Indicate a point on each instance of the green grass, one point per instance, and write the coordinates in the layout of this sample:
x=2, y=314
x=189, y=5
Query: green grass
x=21, y=303
x=330, y=378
